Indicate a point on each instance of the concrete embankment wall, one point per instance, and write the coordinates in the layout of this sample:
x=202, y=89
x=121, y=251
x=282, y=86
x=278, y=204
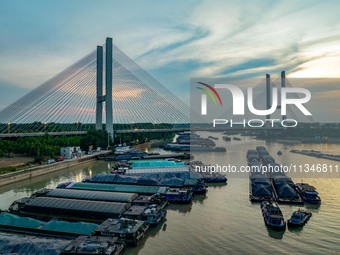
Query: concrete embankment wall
x=32, y=172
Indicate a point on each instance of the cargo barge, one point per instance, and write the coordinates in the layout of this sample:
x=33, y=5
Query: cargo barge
x=13, y=244
x=308, y=193
x=132, y=198
x=140, y=190
x=260, y=188
x=285, y=190
x=204, y=172
x=317, y=154
x=99, y=245
x=161, y=192
x=127, y=230
x=53, y=228
x=172, y=180
x=282, y=187
x=87, y=195
x=45, y=208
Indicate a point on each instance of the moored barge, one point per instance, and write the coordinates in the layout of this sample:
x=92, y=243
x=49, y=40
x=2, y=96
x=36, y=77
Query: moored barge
x=164, y=179
x=121, y=197
x=99, y=245
x=128, y=230
x=272, y=215
x=53, y=228
x=45, y=208
x=308, y=193
x=85, y=210
x=176, y=195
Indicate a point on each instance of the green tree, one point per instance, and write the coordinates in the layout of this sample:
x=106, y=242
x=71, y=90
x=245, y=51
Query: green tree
x=95, y=138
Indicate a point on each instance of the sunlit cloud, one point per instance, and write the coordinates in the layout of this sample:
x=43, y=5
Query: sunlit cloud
x=123, y=95
x=175, y=40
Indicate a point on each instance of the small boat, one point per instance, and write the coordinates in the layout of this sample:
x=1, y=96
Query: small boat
x=214, y=178
x=299, y=218
x=179, y=195
x=212, y=137
x=226, y=138
x=272, y=215
x=308, y=193
x=120, y=170
x=152, y=214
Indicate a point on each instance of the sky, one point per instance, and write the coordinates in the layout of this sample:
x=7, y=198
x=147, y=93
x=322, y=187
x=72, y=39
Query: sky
x=175, y=41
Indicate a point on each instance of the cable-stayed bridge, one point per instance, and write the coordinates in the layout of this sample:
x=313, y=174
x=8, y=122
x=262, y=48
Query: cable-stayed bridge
x=105, y=86
x=73, y=100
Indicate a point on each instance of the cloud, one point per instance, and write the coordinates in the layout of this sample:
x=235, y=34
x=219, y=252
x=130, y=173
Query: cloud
x=173, y=40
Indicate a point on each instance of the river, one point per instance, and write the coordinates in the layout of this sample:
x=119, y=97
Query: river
x=224, y=221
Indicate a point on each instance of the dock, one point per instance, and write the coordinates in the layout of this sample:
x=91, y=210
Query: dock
x=317, y=154
x=158, y=156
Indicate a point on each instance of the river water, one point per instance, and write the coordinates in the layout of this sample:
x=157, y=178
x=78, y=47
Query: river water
x=224, y=221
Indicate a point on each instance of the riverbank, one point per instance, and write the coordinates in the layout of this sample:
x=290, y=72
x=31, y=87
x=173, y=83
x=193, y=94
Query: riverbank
x=9, y=178
x=292, y=140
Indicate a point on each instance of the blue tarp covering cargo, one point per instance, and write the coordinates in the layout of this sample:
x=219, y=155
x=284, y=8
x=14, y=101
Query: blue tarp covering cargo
x=73, y=209
x=31, y=245
x=88, y=195
x=172, y=182
x=154, y=163
x=142, y=190
x=30, y=225
x=155, y=179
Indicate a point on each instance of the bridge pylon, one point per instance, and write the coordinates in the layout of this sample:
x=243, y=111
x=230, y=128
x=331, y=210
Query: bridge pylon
x=108, y=87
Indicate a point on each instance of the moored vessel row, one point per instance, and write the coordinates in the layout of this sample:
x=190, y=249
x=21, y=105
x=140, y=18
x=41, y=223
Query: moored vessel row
x=268, y=181
x=102, y=215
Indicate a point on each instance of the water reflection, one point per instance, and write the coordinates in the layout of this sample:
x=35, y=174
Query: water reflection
x=153, y=232
x=274, y=233
x=183, y=209
x=313, y=207
x=217, y=185
x=295, y=230
x=25, y=188
x=199, y=198
x=234, y=225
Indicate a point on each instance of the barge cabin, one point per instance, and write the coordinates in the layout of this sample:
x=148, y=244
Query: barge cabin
x=100, y=245
x=128, y=230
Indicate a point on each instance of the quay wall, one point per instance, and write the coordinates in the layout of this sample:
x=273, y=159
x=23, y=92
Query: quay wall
x=32, y=172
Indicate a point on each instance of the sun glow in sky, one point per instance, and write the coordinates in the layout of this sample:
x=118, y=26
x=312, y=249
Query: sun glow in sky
x=172, y=40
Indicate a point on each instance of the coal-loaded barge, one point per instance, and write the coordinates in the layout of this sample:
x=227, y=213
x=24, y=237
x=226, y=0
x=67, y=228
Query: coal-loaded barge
x=168, y=170
x=123, y=231
x=46, y=208
x=53, y=228
x=272, y=184
x=182, y=195
x=172, y=180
